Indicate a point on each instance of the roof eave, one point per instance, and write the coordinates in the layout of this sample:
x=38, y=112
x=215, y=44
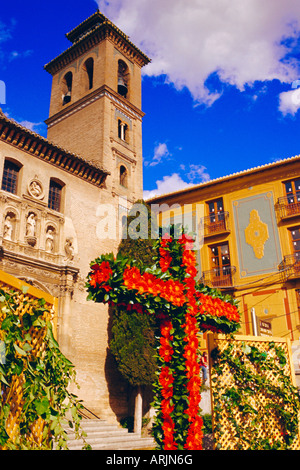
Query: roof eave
x=224, y=179
x=20, y=137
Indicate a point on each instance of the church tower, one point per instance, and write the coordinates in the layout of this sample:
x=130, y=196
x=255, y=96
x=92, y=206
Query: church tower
x=95, y=107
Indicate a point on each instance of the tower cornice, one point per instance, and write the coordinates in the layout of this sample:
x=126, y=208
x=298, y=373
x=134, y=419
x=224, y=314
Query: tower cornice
x=90, y=33
x=95, y=95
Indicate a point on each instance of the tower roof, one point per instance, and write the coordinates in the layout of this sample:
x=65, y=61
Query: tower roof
x=87, y=26
x=89, y=33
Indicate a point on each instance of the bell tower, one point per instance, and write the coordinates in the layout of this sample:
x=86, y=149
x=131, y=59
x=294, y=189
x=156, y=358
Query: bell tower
x=95, y=107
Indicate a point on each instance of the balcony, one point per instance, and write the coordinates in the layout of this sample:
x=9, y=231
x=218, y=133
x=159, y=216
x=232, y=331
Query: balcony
x=219, y=277
x=290, y=266
x=216, y=224
x=288, y=206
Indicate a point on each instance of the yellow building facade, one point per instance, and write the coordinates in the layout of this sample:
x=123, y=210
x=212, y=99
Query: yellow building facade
x=248, y=225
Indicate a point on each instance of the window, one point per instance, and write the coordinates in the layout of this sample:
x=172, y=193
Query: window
x=10, y=177
x=295, y=239
x=54, y=200
x=123, y=176
x=220, y=257
x=216, y=210
x=292, y=191
x=89, y=73
x=123, y=79
x=67, y=88
x=215, y=222
x=291, y=262
x=220, y=264
x=122, y=130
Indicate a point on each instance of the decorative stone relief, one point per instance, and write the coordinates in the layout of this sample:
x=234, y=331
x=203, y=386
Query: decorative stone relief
x=256, y=234
x=35, y=189
x=28, y=228
x=69, y=249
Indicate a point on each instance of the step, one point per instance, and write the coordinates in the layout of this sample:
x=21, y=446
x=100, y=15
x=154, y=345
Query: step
x=117, y=437
x=90, y=427
x=101, y=435
x=143, y=443
x=137, y=444
x=96, y=435
x=98, y=422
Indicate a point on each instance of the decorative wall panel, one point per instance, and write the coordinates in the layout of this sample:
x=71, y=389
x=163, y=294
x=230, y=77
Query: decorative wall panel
x=257, y=235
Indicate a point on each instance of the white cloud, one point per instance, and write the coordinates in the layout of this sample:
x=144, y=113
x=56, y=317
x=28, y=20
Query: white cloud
x=32, y=126
x=241, y=41
x=289, y=102
x=37, y=127
x=195, y=173
x=19, y=55
x=167, y=185
x=6, y=33
x=6, y=30
x=160, y=152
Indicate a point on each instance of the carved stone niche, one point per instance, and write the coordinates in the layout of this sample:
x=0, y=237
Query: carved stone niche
x=9, y=225
x=69, y=250
x=50, y=239
x=30, y=230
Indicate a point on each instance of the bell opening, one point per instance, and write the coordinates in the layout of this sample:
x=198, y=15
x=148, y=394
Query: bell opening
x=122, y=88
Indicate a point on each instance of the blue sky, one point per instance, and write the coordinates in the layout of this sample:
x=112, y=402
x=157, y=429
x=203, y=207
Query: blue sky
x=219, y=94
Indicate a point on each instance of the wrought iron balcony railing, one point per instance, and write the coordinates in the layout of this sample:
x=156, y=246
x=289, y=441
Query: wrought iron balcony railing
x=288, y=206
x=221, y=277
x=290, y=266
x=216, y=224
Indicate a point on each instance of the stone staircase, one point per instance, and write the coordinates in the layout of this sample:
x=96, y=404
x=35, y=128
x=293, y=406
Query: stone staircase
x=101, y=435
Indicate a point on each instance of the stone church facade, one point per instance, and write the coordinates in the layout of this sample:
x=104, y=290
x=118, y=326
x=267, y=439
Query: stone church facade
x=62, y=198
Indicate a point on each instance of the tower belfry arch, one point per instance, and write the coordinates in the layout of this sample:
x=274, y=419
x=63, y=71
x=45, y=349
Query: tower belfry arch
x=100, y=74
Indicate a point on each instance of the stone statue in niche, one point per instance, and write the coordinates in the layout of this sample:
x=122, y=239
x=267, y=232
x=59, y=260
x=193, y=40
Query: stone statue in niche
x=30, y=225
x=50, y=240
x=31, y=229
x=8, y=228
x=69, y=249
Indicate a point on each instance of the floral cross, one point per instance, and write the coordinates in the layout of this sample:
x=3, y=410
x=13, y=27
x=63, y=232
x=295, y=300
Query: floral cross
x=184, y=308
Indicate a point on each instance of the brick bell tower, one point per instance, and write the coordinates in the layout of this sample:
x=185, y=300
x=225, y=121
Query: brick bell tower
x=95, y=107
